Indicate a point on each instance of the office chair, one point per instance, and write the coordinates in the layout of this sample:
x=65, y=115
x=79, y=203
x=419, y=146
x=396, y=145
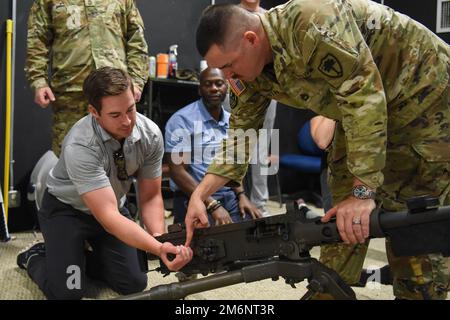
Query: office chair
x=309, y=162
x=38, y=179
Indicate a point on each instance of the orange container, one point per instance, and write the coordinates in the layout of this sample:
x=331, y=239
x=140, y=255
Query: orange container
x=162, y=65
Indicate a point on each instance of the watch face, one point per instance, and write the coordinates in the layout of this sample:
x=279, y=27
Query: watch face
x=361, y=192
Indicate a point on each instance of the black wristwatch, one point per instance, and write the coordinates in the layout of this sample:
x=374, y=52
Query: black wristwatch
x=362, y=192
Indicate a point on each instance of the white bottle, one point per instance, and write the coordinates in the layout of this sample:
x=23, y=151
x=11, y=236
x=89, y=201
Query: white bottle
x=173, y=64
x=152, y=67
x=203, y=65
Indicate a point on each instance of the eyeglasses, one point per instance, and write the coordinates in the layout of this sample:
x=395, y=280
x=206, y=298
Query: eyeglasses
x=119, y=161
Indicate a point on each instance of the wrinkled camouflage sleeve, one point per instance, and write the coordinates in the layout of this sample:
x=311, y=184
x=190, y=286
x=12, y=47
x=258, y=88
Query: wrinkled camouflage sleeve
x=247, y=116
x=39, y=41
x=338, y=54
x=138, y=61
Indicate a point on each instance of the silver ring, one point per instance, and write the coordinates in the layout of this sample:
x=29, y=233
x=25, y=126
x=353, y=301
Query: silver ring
x=356, y=221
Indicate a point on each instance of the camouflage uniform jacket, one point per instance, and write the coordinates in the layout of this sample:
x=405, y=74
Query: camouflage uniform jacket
x=76, y=36
x=355, y=61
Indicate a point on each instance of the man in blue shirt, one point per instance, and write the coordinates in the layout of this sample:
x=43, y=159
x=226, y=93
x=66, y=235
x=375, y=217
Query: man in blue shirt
x=193, y=134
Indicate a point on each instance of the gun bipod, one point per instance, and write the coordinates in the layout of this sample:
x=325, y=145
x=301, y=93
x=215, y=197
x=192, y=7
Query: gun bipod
x=321, y=280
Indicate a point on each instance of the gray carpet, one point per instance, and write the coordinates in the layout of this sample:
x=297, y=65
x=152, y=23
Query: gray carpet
x=15, y=283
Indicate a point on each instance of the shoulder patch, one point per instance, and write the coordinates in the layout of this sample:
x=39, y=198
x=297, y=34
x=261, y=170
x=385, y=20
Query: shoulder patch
x=237, y=86
x=330, y=66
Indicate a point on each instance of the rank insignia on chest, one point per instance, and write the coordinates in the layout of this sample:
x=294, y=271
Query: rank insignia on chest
x=330, y=66
x=237, y=86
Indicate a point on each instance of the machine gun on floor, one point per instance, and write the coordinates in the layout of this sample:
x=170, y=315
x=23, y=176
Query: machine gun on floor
x=279, y=246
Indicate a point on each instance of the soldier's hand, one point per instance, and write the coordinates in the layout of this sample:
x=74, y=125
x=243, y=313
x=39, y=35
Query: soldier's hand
x=246, y=206
x=182, y=256
x=221, y=216
x=196, y=217
x=352, y=219
x=137, y=95
x=43, y=96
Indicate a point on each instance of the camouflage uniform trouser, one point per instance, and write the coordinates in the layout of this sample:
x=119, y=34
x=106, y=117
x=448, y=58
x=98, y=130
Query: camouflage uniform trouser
x=420, y=167
x=68, y=108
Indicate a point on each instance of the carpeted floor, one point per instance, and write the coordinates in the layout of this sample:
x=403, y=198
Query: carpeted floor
x=15, y=283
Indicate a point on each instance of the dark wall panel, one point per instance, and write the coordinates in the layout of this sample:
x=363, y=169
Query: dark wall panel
x=31, y=123
x=419, y=10
x=170, y=22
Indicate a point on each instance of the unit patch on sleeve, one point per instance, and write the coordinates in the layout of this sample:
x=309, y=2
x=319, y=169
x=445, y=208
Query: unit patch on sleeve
x=330, y=66
x=233, y=100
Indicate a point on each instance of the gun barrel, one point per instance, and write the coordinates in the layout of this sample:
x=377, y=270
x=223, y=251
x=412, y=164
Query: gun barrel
x=383, y=221
x=412, y=234
x=180, y=290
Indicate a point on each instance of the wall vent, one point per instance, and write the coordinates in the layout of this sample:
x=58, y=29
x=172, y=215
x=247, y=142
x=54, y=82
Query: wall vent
x=443, y=16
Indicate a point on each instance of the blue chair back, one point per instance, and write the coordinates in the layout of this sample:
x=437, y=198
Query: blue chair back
x=311, y=159
x=306, y=142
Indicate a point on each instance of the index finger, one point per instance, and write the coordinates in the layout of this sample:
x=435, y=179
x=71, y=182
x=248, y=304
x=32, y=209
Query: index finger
x=329, y=214
x=365, y=224
x=189, y=233
x=50, y=94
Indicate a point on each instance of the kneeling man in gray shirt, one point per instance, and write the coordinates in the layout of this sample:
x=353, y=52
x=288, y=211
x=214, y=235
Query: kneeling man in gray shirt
x=100, y=156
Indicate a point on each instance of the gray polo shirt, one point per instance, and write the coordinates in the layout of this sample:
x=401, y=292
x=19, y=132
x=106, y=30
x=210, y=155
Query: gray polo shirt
x=87, y=163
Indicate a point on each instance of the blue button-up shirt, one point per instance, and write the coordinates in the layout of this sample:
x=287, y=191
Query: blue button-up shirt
x=193, y=130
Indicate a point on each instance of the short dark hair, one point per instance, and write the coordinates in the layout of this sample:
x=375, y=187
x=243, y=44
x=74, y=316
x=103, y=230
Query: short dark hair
x=213, y=26
x=104, y=82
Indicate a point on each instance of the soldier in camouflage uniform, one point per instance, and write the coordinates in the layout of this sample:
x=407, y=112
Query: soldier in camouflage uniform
x=381, y=75
x=74, y=37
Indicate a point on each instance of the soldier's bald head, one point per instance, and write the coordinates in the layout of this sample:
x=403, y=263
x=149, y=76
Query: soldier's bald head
x=222, y=24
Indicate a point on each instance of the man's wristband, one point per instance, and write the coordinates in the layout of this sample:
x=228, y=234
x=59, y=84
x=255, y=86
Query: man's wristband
x=212, y=206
